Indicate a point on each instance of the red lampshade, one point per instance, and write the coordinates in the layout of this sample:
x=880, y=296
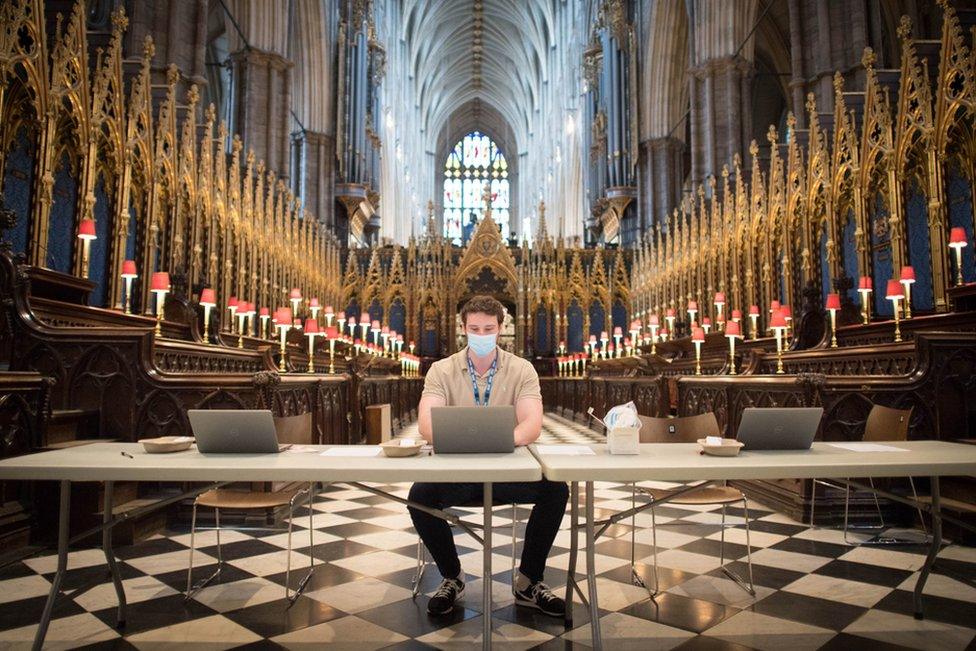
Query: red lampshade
x=636, y=325
x=773, y=306
x=242, y=308
x=719, y=298
x=412, y=342
x=351, y=321
x=208, y=297
x=698, y=334
x=618, y=331
x=160, y=281
x=357, y=342
x=732, y=329
x=833, y=301
x=654, y=320
x=603, y=336
x=787, y=312
x=669, y=312
x=283, y=316
x=894, y=290
x=610, y=348
x=376, y=325
x=626, y=341
x=251, y=309
x=86, y=229
x=706, y=321
x=692, y=306
x=592, y=339
x=263, y=312
x=753, y=310
x=332, y=332
x=329, y=310
x=341, y=316
x=313, y=302
x=364, y=317
x=129, y=269
x=957, y=237
x=865, y=283
x=297, y=323
x=295, y=294
x=232, y=303
x=907, y=274
x=778, y=321
x=736, y=315
x=311, y=327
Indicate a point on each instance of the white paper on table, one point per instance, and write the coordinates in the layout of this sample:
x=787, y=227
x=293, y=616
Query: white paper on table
x=858, y=446
x=565, y=450
x=353, y=451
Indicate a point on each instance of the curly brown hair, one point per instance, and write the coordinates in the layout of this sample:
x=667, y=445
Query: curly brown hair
x=483, y=305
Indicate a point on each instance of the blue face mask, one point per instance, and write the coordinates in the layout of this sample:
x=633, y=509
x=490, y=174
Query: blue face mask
x=482, y=345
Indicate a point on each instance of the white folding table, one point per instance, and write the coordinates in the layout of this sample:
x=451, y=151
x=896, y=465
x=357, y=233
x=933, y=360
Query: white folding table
x=113, y=462
x=684, y=462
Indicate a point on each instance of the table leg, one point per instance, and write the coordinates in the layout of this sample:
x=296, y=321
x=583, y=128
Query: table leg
x=573, y=550
x=486, y=569
x=110, y=554
x=65, y=511
x=591, y=569
x=933, y=549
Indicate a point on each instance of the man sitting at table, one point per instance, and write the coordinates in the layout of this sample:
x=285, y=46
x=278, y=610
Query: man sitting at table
x=479, y=375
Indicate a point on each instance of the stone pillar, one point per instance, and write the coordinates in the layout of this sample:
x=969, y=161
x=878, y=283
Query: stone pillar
x=262, y=111
x=179, y=32
x=661, y=179
x=319, y=177
x=723, y=95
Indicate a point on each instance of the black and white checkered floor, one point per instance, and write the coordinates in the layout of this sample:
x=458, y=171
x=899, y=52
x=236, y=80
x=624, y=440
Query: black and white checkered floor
x=812, y=590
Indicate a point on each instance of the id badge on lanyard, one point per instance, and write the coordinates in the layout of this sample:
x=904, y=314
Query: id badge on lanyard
x=474, y=382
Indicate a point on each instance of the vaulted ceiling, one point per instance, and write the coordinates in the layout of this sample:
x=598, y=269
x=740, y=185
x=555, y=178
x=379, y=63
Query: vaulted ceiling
x=494, y=51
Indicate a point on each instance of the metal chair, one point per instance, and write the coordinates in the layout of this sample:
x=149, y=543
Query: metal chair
x=422, y=552
x=883, y=424
x=685, y=430
x=255, y=500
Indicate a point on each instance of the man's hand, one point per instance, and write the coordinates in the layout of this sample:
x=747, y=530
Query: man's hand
x=423, y=415
x=528, y=413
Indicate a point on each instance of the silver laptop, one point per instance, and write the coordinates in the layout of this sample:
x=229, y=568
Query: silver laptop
x=459, y=430
x=234, y=431
x=789, y=428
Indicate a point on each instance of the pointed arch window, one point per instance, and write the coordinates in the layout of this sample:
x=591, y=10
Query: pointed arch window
x=474, y=162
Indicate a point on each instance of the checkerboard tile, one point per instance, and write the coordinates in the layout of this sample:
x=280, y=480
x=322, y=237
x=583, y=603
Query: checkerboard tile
x=812, y=589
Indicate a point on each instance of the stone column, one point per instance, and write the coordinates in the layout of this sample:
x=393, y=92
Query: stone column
x=262, y=111
x=319, y=178
x=722, y=96
x=661, y=179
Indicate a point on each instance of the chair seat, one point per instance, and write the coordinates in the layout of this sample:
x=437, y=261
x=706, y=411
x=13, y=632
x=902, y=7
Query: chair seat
x=704, y=495
x=228, y=499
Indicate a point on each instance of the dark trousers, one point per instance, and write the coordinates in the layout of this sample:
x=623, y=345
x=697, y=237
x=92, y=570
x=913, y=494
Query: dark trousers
x=548, y=497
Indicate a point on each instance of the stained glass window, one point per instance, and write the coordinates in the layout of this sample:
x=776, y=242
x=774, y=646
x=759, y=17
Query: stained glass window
x=474, y=162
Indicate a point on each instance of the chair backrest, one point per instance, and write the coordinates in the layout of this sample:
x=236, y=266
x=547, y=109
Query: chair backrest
x=686, y=429
x=294, y=429
x=887, y=424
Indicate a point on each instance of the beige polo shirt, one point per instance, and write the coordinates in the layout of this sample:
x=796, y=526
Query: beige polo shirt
x=515, y=378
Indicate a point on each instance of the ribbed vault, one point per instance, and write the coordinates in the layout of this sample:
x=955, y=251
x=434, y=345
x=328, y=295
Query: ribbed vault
x=489, y=50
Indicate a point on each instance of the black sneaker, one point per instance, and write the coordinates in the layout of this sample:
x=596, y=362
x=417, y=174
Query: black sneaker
x=447, y=594
x=540, y=596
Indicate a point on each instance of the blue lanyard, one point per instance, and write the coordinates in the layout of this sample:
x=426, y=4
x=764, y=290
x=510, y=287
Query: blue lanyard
x=474, y=381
